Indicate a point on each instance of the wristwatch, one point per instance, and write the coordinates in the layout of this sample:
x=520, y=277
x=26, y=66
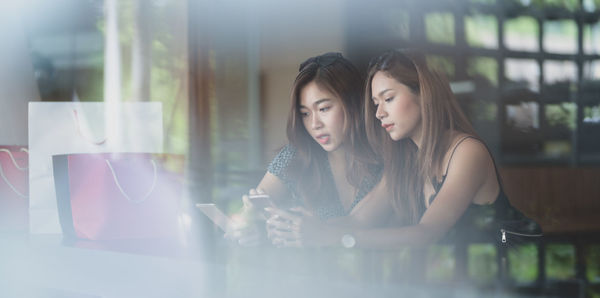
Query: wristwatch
x=348, y=241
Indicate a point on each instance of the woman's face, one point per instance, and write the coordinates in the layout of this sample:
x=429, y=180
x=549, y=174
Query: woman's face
x=397, y=107
x=323, y=116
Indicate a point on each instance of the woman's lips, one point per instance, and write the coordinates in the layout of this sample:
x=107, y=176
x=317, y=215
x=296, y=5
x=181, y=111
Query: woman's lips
x=387, y=126
x=323, y=139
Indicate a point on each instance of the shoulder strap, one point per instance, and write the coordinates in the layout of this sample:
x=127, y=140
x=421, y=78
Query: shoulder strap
x=454, y=150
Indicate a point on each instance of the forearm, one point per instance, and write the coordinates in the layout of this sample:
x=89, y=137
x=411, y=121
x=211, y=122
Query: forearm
x=389, y=238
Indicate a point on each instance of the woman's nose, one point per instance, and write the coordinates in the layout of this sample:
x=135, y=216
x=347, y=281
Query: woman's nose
x=316, y=122
x=380, y=112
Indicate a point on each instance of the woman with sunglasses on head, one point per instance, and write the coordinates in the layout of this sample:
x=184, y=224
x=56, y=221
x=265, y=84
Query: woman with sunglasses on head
x=324, y=171
x=438, y=175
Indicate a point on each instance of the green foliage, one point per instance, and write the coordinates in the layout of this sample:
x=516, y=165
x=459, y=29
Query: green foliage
x=521, y=28
x=592, y=262
x=481, y=31
x=440, y=263
x=484, y=66
x=560, y=261
x=482, y=265
x=563, y=115
x=439, y=28
x=441, y=64
x=523, y=262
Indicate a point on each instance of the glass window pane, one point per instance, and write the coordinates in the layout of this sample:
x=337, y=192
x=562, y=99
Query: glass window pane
x=482, y=31
x=521, y=34
x=523, y=262
x=591, y=5
x=397, y=22
x=570, y=5
x=591, y=114
x=439, y=28
x=591, y=38
x=524, y=71
x=441, y=64
x=440, y=263
x=524, y=116
x=560, y=36
x=562, y=115
x=591, y=70
x=557, y=148
x=560, y=261
x=559, y=71
x=482, y=266
x=592, y=262
x=485, y=67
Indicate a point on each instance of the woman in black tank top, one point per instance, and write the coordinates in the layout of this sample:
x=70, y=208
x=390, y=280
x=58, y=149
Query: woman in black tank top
x=438, y=176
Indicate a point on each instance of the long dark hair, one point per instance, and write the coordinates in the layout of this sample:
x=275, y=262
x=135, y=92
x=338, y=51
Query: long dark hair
x=336, y=74
x=405, y=166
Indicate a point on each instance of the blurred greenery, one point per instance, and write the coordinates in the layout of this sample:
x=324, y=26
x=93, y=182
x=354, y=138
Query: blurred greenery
x=523, y=262
x=560, y=261
x=482, y=265
x=562, y=115
x=484, y=66
x=397, y=21
x=560, y=36
x=521, y=29
x=592, y=262
x=441, y=64
x=591, y=37
x=481, y=31
x=440, y=263
x=439, y=28
x=168, y=69
x=591, y=114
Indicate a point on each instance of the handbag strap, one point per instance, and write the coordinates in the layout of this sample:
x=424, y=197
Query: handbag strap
x=80, y=131
x=146, y=196
x=12, y=158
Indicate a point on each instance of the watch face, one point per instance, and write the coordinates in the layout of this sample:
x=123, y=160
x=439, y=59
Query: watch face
x=348, y=241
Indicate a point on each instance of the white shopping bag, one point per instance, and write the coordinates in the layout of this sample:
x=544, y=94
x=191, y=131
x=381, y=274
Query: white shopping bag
x=82, y=127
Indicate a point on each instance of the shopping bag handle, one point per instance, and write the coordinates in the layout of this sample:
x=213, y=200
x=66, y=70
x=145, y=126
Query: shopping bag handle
x=12, y=158
x=146, y=196
x=80, y=132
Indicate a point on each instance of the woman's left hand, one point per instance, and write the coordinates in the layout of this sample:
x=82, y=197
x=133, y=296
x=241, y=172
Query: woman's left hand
x=297, y=228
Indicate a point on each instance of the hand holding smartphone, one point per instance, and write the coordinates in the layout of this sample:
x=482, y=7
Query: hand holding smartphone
x=260, y=201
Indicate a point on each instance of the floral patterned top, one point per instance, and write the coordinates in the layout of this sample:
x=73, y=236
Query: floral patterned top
x=332, y=208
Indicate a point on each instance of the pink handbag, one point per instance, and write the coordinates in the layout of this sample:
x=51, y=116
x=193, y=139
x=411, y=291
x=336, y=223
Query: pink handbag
x=14, y=189
x=109, y=196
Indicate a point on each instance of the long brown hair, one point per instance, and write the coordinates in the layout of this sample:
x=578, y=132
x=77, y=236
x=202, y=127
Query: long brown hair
x=337, y=75
x=406, y=166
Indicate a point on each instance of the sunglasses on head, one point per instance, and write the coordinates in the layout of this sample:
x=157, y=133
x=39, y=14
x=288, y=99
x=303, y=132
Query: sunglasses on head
x=321, y=60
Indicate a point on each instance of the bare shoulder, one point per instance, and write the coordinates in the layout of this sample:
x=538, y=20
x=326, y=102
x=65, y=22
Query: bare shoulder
x=468, y=150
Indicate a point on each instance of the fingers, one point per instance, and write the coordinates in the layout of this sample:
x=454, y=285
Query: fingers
x=301, y=210
x=283, y=214
x=256, y=191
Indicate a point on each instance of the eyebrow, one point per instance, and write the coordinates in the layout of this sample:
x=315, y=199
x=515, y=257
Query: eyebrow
x=316, y=103
x=381, y=93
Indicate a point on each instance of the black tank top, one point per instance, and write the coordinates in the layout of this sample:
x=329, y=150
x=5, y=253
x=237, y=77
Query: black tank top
x=477, y=217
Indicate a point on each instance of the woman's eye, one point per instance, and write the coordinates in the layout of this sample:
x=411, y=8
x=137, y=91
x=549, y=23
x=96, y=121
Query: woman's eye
x=303, y=114
x=324, y=109
x=389, y=99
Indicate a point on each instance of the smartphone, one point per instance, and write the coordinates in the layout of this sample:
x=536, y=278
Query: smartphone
x=260, y=201
x=216, y=216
